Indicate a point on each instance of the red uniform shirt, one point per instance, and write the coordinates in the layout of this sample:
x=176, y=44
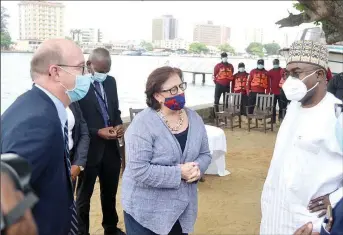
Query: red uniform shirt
x=223, y=74
x=239, y=83
x=275, y=77
x=259, y=81
x=328, y=75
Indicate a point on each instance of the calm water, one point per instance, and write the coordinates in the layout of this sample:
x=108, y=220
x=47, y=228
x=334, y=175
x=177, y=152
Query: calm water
x=130, y=72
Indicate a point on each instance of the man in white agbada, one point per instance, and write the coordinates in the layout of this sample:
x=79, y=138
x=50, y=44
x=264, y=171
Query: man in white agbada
x=306, y=172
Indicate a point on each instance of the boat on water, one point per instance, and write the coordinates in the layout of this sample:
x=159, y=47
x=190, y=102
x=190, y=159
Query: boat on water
x=131, y=53
x=335, y=51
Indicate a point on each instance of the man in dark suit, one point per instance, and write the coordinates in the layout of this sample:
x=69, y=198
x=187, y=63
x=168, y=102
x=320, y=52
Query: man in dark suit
x=34, y=128
x=100, y=108
x=78, y=139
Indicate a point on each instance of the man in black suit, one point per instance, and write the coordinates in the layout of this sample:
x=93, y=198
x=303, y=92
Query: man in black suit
x=100, y=109
x=78, y=140
x=34, y=127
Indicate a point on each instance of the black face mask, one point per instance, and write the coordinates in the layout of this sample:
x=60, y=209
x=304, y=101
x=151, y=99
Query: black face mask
x=18, y=169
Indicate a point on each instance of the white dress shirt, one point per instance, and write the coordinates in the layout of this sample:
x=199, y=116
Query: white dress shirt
x=306, y=164
x=71, y=123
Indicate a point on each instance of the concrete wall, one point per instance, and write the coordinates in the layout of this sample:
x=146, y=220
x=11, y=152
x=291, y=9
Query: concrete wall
x=205, y=111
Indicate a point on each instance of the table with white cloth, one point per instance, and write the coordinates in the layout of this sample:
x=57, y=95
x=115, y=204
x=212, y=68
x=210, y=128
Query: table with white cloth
x=217, y=145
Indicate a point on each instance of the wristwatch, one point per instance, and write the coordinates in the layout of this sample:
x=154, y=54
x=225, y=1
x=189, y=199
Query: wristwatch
x=81, y=168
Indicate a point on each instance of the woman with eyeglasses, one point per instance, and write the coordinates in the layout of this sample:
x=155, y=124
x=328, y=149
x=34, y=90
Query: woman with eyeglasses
x=167, y=153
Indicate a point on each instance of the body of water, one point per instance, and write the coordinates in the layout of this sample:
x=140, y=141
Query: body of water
x=130, y=72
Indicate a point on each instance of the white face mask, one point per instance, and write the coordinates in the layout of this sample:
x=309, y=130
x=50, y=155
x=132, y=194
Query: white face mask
x=224, y=59
x=295, y=89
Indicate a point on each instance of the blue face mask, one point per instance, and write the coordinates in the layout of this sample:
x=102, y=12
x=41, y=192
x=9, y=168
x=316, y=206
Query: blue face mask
x=276, y=66
x=99, y=77
x=260, y=66
x=82, y=84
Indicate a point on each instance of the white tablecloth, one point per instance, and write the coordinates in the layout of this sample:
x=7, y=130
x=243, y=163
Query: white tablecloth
x=217, y=145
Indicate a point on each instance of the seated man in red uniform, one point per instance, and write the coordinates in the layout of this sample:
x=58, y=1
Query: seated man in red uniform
x=222, y=76
x=258, y=83
x=239, y=85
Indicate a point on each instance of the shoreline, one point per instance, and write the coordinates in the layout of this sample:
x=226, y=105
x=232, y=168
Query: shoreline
x=169, y=56
x=204, y=110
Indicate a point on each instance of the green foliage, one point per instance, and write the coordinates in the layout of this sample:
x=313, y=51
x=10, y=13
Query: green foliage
x=226, y=48
x=197, y=48
x=146, y=45
x=272, y=48
x=75, y=34
x=300, y=7
x=255, y=48
x=6, y=40
x=4, y=17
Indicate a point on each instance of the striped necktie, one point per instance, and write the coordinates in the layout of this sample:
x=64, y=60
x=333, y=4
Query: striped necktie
x=74, y=222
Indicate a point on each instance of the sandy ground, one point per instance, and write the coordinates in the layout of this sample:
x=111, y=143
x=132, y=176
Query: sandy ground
x=230, y=204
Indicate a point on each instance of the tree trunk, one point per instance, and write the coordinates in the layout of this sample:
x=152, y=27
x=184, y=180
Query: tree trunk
x=329, y=13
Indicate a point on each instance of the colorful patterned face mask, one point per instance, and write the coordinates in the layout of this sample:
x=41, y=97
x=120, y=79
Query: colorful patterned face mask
x=176, y=102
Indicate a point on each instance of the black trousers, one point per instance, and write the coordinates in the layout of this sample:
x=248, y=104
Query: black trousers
x=283, y=104
x=132, y=227
x=108, y=171
x=218, y=92
x=252, y=100
x=244, y=103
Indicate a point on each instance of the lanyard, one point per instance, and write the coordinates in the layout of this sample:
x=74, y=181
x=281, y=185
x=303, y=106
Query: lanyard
x=103, y=99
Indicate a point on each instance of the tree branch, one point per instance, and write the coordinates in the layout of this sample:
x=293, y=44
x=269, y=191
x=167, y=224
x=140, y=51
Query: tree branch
x=293, y=20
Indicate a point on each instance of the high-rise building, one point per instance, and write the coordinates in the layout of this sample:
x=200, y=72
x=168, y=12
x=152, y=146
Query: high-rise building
x=40, y=20
x=164, y=28
x=88, y=35
x=210, y=34
x=254, y=35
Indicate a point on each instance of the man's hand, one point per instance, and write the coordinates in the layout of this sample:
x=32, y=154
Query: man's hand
x=10, y=197
x=75, y=171
x=188, y=170
x=120, y=130
x=306, y=229
x=319, y=204
x=107, y=133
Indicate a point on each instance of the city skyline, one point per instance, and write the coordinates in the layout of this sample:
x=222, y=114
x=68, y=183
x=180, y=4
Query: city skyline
x=132, y=20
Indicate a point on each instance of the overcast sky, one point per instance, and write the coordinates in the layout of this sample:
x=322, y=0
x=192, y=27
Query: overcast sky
x=123, y=20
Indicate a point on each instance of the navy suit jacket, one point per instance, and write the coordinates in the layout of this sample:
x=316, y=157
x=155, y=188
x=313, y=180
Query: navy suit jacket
x=31, y=128
x=337, y=214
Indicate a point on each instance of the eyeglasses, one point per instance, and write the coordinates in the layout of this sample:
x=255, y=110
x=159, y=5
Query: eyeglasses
x=74, y=66
x=174, y=90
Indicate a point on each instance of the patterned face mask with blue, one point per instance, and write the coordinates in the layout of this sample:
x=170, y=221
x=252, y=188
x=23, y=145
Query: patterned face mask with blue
x=176, y=102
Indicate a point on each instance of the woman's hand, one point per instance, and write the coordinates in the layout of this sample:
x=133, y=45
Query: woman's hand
x=319, y=204
x=195, y=176
x=188, y=170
